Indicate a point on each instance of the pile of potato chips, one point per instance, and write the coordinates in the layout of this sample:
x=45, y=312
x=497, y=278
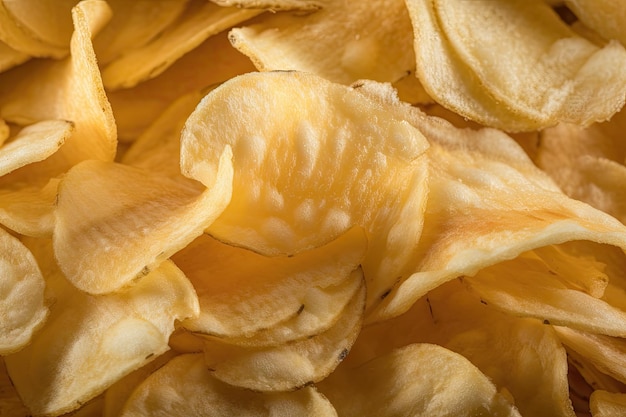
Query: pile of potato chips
x=312, y=208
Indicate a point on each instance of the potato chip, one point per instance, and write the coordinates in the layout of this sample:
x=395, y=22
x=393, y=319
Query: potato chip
x=594, y=377
x=289, y=366
x=136, y=108
x=242, y=293
x=90, y=342
x=301, y=200
x=607, y=404
x=20, y=280
x=10, y=58
x=522, y=357
x=419, y=379
x=551, y=74
x=200, y=20
x=468, y=224
x=369, y=40
x=185, y=387
x=604, y=16
x=34, y=143
x=114, y=223
x=273, y=5
x=29, y=210
x=134, y=24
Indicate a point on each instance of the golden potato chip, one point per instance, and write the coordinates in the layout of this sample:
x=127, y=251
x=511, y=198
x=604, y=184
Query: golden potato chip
x=134, y=23
x=607, y=404
x=90, y=342
x=243, y=294
x=289, y=366
x=369, y=40
x=301, y=199
x=551, y=74
x=114, y=223
x=5, y=131
x=523, y=357
x=34, y=143
x=594, y=377
x=10, y=58
x=23, y=309
x=185, y=387
x=29, y=210
x=487, y=203
x=419, y=379
x=604, y=16
x=136, y=108
x=200, y=20
x=273, y=5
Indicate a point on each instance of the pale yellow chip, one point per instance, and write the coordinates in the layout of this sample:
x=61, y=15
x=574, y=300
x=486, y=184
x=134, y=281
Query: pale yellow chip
x=134, y=24
x=200, y=20
x=34, y=143
x=90, y=342
x=114, y=222
x=370, y=40
x=606, y=17
x=185, y=387
x=292, y=365
x=416, y=380
x=248, y=298
x=136, y=108
x=23, y=309
x=522, y=357
x=29, y=210
x=541, y=74
x=302, y=198
x=607, y=404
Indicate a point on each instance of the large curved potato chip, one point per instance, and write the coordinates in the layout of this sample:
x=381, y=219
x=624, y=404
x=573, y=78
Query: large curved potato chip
x=416, y=380
x=522, y=357
x=487, y=203
x=544, y=73
x=376, y=178
x=289, y=366
x=23, y=309
x=90, y=342
x=370, y=40
x=185, y=387
x=114, y=223
x=244, y=296
x=200, y=20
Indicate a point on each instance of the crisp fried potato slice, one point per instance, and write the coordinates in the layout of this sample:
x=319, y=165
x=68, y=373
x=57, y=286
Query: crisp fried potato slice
x=551, y=74
x=90, y=342
x=70, y=89
x=607, y=404
x=523, y=357
x=200, y=20
x=185, y=387
x=301, y=199
x=369, y=40
x=114, y=223
x=289, y=366
x=23, y=309
x=603, y=16
x=273, y=5
x=487, y=203
x=10, y=58
x=416, y=380
x=29, y=210
x=134, y=24
x=136, y=108
x=34, y=143
x=242, y=293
